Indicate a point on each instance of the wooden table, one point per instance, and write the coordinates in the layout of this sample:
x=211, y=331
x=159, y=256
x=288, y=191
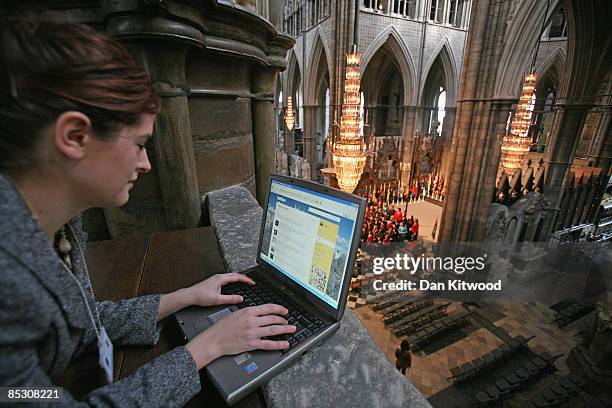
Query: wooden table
x=159, y=263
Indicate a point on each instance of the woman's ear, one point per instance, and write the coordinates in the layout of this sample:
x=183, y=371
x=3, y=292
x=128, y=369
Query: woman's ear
x=72, y=131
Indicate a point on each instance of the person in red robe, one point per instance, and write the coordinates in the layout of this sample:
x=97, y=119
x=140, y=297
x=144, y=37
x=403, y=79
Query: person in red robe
x=398, y=215
x=415, y=229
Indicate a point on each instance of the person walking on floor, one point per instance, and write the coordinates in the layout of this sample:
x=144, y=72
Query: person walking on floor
x=403, y=357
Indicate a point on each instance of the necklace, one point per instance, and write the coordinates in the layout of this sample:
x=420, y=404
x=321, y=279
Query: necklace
x=63, y=247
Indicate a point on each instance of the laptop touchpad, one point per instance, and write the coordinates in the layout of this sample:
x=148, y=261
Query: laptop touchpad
x=214, y=318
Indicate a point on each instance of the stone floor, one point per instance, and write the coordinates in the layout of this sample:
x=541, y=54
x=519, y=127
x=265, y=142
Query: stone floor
x=429, y=372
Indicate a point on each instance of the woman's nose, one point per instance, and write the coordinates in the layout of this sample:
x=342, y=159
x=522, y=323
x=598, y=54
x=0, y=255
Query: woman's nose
x=144, y=166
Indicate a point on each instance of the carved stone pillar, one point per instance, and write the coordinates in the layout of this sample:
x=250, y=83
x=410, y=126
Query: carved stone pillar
x=172, y=145
x=408, y=140
x=310, y=145
x=449, y=122
x=263, y=128
x=560, y=149
x=447, y=134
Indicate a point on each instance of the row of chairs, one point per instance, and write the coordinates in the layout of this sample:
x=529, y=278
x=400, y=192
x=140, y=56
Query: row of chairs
x=438, y=328
x=484, y=363
x=558, y=392
x=405, y=310
x=514, y=382
x=571, y=313
x=386, y=300
x=402, y=329
x=405, y=318
x=401, y=305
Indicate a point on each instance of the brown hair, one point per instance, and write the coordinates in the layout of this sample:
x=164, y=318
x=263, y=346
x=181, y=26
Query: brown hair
x=47, y=68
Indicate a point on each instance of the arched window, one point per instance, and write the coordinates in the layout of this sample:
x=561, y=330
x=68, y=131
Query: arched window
x=438, y=112
x=558, y=26
x=326, y=122
x=299, y=105
x=441, y=109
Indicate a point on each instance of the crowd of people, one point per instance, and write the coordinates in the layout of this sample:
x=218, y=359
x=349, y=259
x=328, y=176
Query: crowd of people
x=433, y=188
x=386, y=223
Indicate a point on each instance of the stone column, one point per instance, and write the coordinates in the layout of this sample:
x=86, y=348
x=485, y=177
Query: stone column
x=289, y=140
x=560, y=149
x=447, y=134
x=487, y=173
x=262, y=111
x=480, y=122
x=408, y=138
x=173, y=148
x=275, y=14
x=603, y=134
x=421, y=9
x=449, y=122
x=310, y=129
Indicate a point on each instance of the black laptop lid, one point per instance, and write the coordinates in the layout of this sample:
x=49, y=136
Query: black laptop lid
x=309, y=239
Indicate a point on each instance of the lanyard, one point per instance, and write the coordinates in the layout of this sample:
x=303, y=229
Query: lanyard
x=96, y=323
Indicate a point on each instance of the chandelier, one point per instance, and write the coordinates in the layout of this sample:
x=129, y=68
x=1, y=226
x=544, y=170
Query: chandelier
x=350, y=151
x=516, y=144
x=289, y=115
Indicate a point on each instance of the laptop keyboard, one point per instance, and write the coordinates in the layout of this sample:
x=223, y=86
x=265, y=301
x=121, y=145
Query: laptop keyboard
x=306, y=323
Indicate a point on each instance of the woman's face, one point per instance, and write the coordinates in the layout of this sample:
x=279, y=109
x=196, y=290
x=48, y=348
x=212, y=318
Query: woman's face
x=112, y=166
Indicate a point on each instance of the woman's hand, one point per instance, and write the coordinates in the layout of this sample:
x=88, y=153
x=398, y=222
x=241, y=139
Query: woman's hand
x=208, y=292
x=241, y=331
x=205, y=293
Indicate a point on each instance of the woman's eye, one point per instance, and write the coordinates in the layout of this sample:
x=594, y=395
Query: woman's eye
x=141, y=146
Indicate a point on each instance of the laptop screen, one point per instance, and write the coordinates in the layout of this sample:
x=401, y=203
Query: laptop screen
x=308, y=236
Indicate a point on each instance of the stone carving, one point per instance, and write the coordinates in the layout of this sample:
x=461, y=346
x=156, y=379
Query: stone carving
x=299, y=167
x=305, y=170
x=281, y=163
x=497, y=225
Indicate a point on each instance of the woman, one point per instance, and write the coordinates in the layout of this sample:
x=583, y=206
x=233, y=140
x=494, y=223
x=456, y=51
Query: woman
x=75, y=115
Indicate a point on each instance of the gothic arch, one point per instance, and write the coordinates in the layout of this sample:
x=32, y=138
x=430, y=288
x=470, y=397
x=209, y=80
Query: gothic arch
x=293, y=72
x=522, y=35
x=553, y=67
x=445, y=54
x=318, y=65
x=586, y=56
x=403, y=59
x=278, y=89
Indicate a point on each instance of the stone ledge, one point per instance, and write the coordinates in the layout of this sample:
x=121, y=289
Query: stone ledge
x=348, y=369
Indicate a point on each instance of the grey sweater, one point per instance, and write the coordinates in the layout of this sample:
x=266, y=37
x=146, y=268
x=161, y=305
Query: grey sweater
x=44, y=323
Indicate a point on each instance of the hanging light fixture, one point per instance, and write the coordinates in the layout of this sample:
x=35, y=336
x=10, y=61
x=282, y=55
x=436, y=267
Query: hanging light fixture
x=350, y=151
x=516, y=144
x=289, y=115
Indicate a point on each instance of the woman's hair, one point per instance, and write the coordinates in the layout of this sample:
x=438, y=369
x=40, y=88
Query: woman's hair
x=47, y=68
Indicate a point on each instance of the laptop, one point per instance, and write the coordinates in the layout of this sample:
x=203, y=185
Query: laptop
x=307, y=246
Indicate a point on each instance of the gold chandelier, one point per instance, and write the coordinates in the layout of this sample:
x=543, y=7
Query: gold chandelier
x=350, y=151
x=516, y=144
x=289, y=115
